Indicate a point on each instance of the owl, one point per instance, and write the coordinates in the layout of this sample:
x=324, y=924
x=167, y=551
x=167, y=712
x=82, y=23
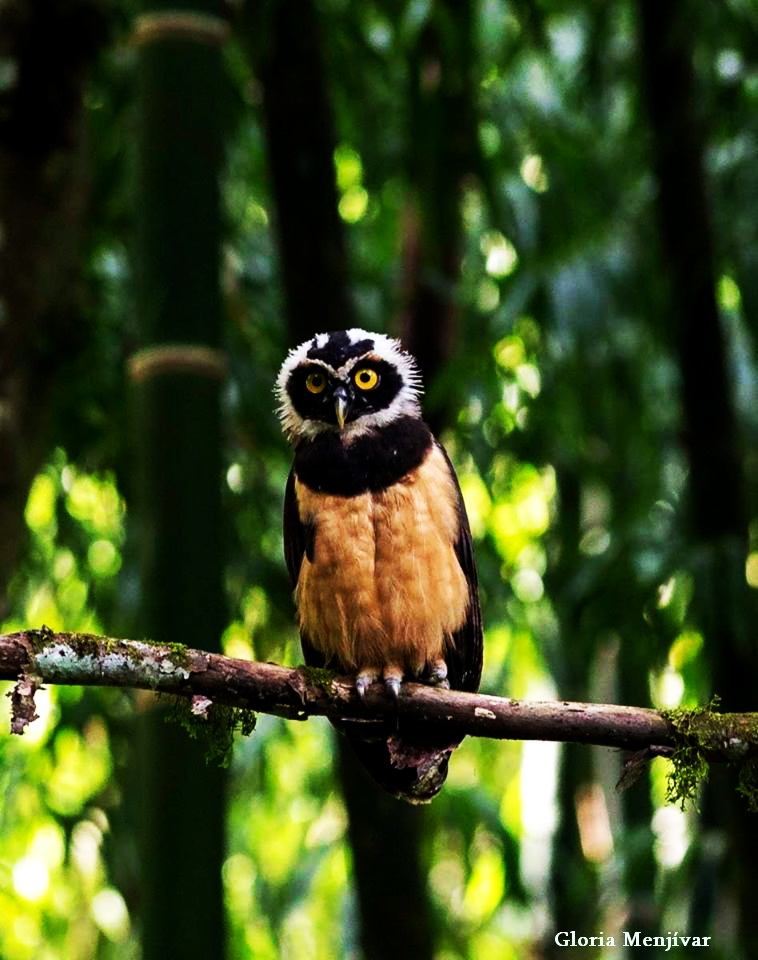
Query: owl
x=377, y=544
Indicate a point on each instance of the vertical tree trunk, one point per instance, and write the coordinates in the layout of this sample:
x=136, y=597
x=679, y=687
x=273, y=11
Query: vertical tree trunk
x=178, y=374
x=285, y=50
x=390, y=880
x=636, y=840
x=46, y=48
x=718, y=514
x=710, y=428
x=574, y=881
x=283, y=40
x=442, y=138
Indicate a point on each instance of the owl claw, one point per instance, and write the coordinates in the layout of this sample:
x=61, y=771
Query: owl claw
x=365, y=678
x=393, y=677
x=438, y=674
x=434, y=673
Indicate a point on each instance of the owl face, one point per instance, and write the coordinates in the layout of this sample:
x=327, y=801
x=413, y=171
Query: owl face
x=349, y=382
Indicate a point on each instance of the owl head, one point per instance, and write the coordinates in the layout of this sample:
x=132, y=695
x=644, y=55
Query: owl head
x=349, y=382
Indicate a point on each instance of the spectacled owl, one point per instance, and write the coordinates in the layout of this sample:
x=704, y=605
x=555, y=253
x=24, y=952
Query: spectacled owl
x=377, y=543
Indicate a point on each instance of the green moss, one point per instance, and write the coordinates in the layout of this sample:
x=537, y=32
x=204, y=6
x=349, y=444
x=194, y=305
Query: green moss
x=178, y=654
x=701, y=732
x=40, y=638
x=85, y=645
x=320, y=677
x=695, y=730
x=688, y=771
x=748, y=783
x=748, y=778
x=214, y=728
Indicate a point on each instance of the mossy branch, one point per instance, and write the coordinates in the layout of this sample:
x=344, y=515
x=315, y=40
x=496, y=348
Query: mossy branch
x=693, y=739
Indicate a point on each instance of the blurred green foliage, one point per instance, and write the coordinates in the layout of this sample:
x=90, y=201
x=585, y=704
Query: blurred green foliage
x=569, y=455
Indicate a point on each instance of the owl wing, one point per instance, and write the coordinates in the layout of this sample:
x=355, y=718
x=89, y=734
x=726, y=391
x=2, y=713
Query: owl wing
x=298, y=543
x=464, y=659
x=293, y=530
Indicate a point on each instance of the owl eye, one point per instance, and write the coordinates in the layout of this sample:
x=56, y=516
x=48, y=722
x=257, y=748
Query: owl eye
x=366, y=378
x=315, y=382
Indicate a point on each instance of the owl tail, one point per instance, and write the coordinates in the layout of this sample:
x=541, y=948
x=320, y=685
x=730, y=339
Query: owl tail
x=410, y=770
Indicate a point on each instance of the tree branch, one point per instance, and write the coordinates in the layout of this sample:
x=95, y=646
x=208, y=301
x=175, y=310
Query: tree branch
x=35, y=657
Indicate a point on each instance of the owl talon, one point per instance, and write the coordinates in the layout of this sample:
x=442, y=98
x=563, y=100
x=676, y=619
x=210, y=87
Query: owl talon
x=393, y=677
x=365, y=678
x=438, y=674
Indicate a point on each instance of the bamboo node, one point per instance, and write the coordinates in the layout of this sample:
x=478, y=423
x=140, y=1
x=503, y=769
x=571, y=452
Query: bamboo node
x=160, y=359
x=179, y=24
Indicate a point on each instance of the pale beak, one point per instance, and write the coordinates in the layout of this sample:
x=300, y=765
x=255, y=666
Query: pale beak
x=341, y=405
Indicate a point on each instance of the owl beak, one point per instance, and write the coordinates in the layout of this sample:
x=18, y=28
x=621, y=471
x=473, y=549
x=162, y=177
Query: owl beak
x=341, y=405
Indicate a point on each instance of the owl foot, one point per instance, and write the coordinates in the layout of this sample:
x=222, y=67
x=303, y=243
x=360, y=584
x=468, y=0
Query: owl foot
x=365, y=678
x=433, y=673
x=391, y=675
x=437, y=674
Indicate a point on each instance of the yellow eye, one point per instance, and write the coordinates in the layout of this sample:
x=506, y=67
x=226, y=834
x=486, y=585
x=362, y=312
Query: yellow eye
x=366, y=378
x=315, y=382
